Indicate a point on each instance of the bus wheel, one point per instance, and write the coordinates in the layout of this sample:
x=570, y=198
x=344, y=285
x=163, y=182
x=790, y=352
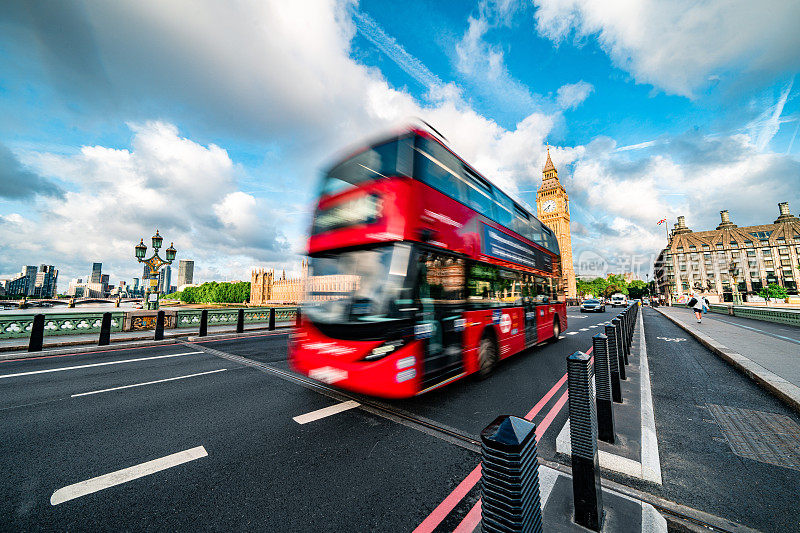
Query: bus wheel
x=487, y=357
x=556, y=330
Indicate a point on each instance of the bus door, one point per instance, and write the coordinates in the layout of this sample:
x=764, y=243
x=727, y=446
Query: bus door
x=540, y=293
x=441, y=280
x=529, y=309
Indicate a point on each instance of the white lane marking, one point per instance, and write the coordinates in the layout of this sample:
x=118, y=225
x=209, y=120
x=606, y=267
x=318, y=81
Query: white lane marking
x=561, y=336
x=70, y=492
x=95, y=364
x=148, y=383
x=572, y=333
x=651, y=464
x=584, y=329
x=592, y=326
x=327, y=411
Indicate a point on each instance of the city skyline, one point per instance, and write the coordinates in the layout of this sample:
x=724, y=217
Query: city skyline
x=224, y=160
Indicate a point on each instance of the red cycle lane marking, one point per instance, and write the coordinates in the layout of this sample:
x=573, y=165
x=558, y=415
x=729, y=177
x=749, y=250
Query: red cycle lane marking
x=137, y=347
x=448, y=504
x=473, y=517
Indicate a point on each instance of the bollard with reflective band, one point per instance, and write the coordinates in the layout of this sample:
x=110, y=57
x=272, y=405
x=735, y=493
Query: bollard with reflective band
x=586, y=490
x=36, y=341
x=602, y=379
x=618, y=333
x=105, y=330
x=272, y=318
x=510, y=500
x=613, y=364
x=159, y=336
x=203, y=323
x=240, y=321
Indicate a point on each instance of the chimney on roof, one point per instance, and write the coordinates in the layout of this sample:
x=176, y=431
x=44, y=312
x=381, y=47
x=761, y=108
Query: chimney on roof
x=726, y=220
x=680, y=226
x=785, y=215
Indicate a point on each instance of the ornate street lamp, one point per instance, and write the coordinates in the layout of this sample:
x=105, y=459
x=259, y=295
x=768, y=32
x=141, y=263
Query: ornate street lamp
x=154, y=263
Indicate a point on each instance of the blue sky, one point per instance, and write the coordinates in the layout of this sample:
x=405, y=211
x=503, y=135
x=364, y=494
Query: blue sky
x=213, y=121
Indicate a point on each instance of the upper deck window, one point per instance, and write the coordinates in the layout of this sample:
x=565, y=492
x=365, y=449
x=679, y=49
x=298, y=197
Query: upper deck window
x=391, y=158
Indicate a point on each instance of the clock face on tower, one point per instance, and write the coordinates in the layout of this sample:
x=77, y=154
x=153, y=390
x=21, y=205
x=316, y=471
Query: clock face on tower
x=549, y=206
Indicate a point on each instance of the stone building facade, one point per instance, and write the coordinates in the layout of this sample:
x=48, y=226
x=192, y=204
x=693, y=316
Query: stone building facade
x=265, y=288
x=728, y=257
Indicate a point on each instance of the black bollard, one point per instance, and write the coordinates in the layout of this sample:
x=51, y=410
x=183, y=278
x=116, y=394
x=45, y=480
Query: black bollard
x=618, y=333
x=586, y=490
x=36, y=341
x=203, y=323
x=159, y=326
x=510, y=498
x=240, y=322
x=613, y=364
x=105, y=330
x=272, y=319
x=623, y=337
x=297, y=319
x=602, y=380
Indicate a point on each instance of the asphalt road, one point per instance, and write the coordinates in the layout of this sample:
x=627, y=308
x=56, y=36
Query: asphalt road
x=248, y=465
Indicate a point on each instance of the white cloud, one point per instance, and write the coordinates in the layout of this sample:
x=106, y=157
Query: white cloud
x=764, y=128
x=572, y=95
x=680, y=45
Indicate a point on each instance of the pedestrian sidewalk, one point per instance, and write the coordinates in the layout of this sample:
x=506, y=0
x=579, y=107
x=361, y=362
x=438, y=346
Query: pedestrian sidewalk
x=770, y=359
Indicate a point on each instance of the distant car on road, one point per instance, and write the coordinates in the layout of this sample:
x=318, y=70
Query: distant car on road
x=619, y=300
x=592, y=305
x=645, y=301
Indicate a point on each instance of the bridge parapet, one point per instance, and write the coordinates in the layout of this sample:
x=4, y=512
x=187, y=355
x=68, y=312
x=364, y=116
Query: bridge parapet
x=19, y=325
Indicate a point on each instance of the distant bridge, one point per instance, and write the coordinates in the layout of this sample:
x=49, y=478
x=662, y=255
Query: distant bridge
x=70, y=302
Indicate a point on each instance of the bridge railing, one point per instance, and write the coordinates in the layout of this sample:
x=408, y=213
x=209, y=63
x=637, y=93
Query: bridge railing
x=18, y=325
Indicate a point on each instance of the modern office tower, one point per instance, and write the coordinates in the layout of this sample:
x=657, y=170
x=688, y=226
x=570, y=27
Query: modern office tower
x=97, y=272
x=185, y=272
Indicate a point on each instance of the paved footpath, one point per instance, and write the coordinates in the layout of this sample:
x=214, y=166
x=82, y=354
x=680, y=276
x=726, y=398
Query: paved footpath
x=766, y=352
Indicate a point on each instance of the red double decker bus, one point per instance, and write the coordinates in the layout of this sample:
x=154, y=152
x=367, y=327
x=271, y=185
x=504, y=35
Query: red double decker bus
x=421, y=272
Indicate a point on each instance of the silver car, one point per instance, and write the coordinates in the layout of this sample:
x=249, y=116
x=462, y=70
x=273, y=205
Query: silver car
x=592, y=305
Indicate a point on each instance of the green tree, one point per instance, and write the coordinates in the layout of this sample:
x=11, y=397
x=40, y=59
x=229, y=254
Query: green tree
x=637, y=289
x=773, y=290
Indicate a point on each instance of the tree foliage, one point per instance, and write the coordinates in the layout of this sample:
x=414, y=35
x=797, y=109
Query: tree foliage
x=611, y=285
x=214, y=292
x=773, y=290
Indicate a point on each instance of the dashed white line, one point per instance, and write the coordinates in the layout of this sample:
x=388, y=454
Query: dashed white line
x=572, y=333
x=94, y=364
x=149, y=383
x=592, y=326
x=70, y=492
x=584, y=329
x=326, y=411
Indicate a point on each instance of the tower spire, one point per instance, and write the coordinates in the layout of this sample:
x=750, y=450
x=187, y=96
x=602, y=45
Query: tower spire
x=549, y=163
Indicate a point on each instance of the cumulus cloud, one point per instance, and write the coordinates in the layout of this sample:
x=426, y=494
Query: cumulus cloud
x=572, y=95
x=681, y=45
x=186, y=190
x=17, y=183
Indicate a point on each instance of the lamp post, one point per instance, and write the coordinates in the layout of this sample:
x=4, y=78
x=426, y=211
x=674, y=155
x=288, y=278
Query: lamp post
x=154, y=263
x=734, y=274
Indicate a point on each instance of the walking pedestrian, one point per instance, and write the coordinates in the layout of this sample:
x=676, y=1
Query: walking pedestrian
x=699, y=304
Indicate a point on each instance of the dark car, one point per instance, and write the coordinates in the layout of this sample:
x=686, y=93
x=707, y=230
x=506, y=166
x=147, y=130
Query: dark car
x=593, y=305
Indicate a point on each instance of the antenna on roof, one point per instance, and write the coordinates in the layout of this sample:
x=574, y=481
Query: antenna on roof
x=437, y=132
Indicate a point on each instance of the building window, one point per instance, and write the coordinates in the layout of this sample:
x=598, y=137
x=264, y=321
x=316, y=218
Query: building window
x=719, y=246
x=783, y=250
x=693, y=248
x=748, y=243
x=734, y=245
x=751, y=253
x=781, y=240
x=766, y=252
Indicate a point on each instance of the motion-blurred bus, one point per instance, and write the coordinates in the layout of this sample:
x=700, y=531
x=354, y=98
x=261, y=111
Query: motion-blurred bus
x=421, y=272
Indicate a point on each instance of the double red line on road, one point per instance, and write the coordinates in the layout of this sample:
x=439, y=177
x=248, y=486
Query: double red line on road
x=473, y=517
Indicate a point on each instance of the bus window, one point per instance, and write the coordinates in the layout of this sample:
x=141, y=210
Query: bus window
x=479, y=194
x=380, y=161
x=485, y=286
x=504, y=209
x=540, y=291
x=441, y=278
x=435, y=166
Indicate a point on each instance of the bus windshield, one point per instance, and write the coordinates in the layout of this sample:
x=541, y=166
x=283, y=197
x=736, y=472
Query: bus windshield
x=358, y=286
x=382, y=160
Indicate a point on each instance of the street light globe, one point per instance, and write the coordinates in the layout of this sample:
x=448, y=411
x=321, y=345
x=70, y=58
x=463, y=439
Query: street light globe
x=171, y=251
x=141, y=249
x=157, y=240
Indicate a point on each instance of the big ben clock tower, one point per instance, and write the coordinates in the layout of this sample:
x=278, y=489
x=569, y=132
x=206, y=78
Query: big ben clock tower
x=552, y=206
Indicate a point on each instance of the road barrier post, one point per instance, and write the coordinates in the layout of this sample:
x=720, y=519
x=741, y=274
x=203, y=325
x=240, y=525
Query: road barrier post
x=602, y=380
x=613, y=363
x=36, y=341
x=618, y=333
x=105, y=330
x=623, y=324
x=159, y=326
x=297, y=318
x=272, y=318
x=240, y=321
x=510, y=498
x=586, y=490
x=203, y=323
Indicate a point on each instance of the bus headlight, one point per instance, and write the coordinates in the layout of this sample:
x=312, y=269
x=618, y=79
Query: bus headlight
x=379, y=352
